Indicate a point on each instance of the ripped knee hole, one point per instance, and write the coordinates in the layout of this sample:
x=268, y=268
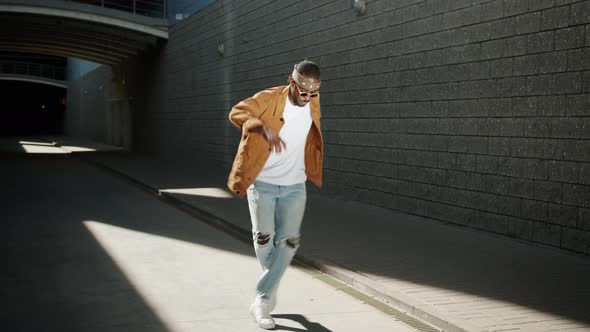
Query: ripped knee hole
x=293, y=242
x=262, y=239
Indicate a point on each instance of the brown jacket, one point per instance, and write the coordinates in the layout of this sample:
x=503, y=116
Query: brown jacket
x=266, y=108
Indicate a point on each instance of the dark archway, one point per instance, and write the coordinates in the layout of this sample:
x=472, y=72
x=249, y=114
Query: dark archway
x=29, y=108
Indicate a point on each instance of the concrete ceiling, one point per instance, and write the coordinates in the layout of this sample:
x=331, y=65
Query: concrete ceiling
x=70, y=29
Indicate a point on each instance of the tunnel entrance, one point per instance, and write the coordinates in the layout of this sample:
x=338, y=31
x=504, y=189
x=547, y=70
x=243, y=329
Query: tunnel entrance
x=29, y=108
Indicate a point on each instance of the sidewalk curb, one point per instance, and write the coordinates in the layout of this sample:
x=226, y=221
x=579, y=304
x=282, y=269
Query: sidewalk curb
x=343, y=274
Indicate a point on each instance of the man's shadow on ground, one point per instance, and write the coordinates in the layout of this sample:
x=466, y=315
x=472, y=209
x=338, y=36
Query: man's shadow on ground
x=309, y=326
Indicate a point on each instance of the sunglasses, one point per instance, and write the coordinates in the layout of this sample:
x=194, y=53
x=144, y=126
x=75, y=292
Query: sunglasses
x=305, y=93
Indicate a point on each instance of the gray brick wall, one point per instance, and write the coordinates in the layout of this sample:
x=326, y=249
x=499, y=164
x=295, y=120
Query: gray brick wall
x=473, y=112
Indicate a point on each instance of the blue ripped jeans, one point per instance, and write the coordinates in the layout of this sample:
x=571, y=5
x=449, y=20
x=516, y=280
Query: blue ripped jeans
x=276, y=212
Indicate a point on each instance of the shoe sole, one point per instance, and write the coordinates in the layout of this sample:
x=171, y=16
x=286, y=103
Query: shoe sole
x=262, y=326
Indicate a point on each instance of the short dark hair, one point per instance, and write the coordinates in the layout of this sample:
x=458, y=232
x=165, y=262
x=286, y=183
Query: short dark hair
x=309, y=69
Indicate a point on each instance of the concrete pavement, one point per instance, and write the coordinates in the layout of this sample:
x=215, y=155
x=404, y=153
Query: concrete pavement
x=457, y=279
x=84, y=250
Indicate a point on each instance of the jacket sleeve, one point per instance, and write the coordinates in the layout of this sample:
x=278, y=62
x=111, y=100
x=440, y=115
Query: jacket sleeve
x=246, y=114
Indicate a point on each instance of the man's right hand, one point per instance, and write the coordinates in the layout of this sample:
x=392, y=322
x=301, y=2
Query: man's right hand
x=276, y=143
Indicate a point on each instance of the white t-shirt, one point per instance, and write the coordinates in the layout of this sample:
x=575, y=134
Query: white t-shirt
x=288, y=167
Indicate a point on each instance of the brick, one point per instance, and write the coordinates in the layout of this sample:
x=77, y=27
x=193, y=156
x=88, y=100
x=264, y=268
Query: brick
x=459, y=197
x=576, y=240
x=547, y=234
x=486, y=164
x=569, y=38
x=462, y=126
x=528, y=23
x=514, y=46
x=567, y=83
x=498, y=107
x=564, y=171
x=564, y=2
x=552, y=62
x=477, y=145
x=405, y=204
x=509, y=205
x=580, y=13
x=446, y=160
x=499, y=146
x=420, y=109
x=440, y=108
x=548, y=191
x=511, y=167
x=479, y=70
x=459, y=72
x=483, y=107
x=457, y=179
x=526, y=65
x=565, y=127
x=534, y=210
x=537, y=127
x=490, y=222
x=524, y=106
x=487, y=126
x=576, y=150
x=501, y=68
x=541, y=85
x=457, y=143
x=493, y=30
x=491, y=49
x=553, y=105
x=465, y=162
x=578, y=59
x=522, y=188
x=496, y=184
x=555, y=18
x=417, y=125
x=553, y=149
x=586, y=80
x=460, y=215
x=540, y=4
x=520, y=228
x=528, y=148
x=578, y=105
x=465, y=16
x=584, y=219
x=588, y=35
x=492, y=10
x=511, y=127
x=474, y=182
x=584, y=174
x=536, y=148
x=515, y=7
x=564, y=215
x=419, y=190
x=537, y=168
x=464, y=53
x=575, y=194
x=418, y=158
x=540, y=42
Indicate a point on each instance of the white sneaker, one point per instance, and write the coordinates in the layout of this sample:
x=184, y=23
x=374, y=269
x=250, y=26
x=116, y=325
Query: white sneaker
x=259, y=310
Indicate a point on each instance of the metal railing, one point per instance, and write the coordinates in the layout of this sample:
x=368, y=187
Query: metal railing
x=33, y=69
x=151, y=8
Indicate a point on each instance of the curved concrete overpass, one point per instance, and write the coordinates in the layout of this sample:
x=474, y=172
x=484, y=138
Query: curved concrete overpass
x=33, y=79
x=70, y=29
